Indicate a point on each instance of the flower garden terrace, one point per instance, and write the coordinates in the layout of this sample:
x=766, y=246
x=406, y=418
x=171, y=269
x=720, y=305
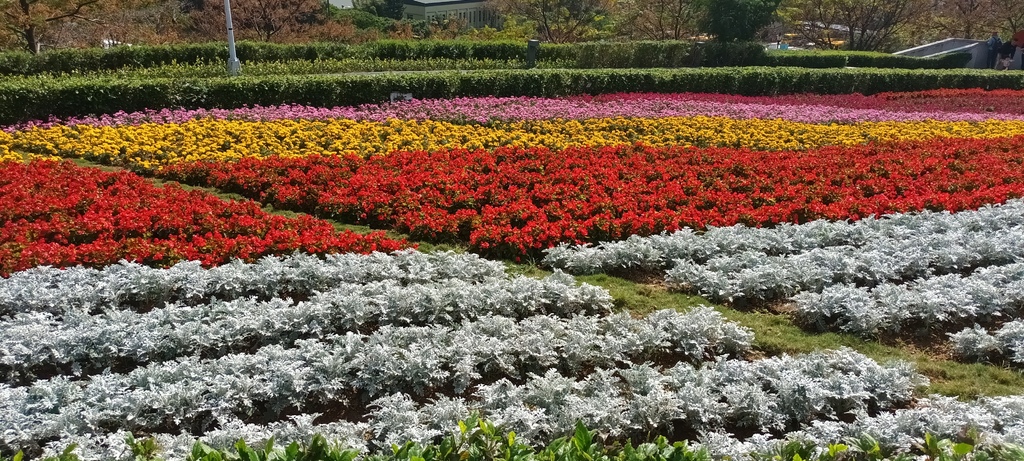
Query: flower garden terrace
x=876, y=221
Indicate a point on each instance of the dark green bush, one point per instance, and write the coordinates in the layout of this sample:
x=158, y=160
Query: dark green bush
x=892, y=61
x=557, y=52
x=953, y=60
x=719, y=54
x=16, y=63
x=808, y=59
x=649, y=54
x=826, y=59
x=33, y=98
x=448, y=49
x=361, y=19
x=93, y=59
x=592, y=55
x=266, y=52
x=737, y=20
x=641, y=54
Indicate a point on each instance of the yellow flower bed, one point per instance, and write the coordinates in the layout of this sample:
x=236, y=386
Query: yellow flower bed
x=151, y=145
x=5, y=148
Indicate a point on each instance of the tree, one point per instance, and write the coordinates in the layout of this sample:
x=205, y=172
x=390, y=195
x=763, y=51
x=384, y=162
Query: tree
x=559, y=21
x=393, y=9
x=145, y=22
x=512, y=28
x=1010, y=15
x=867, y=25
x=738, y=20
x=966, y=18
x=32, y=20
x=660, y=19
x=265, y=20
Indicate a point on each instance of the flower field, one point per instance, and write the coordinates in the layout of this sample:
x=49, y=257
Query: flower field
x=514, y=201
x=149, y=146
x=131, y=304
x=911, y=274
x=944, y=105
x=63, y=215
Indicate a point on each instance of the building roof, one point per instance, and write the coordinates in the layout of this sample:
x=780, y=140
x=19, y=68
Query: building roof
x=442, y=2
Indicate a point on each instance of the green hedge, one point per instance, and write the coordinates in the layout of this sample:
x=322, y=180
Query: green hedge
x=947, y=61
x=651, y=54
x=828, y=59
x=31, y=98
x=584, y=55
x=638, y=54
x=815, y=60
x=318, y=67
x=93, y=59
x=444, y=49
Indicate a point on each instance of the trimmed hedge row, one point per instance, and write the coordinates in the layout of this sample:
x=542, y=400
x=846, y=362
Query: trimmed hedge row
x=443, y=49
x=93, y=59
x=811, y=59
x=825, y=59
x=639, y=54
x=946, y=61
x=28, y=99
x=651, y=54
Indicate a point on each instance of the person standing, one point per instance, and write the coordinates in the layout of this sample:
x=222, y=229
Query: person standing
x=1006, y=52
x=994, y=43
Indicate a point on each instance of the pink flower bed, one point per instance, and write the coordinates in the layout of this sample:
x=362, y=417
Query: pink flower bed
x=943, y=105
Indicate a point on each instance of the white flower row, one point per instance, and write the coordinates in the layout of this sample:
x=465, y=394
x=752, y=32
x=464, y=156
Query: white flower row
x=986, y=294
x=177, y=447
x=777, y=394
x=193, y=393
x=997, y=420
x=659, y=251
x=1004, y=344
x=76, y=340
x=758, y=276
x=47, y=289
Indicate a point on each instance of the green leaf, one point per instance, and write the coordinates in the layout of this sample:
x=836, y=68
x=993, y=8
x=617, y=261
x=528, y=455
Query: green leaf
x=291, y=453
x=962, y=449
x=837, y=448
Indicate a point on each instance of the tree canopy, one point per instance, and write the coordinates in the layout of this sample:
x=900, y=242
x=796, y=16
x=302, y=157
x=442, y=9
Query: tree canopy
x=738, y=20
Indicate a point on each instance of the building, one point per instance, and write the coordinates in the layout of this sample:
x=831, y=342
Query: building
x=474, y=12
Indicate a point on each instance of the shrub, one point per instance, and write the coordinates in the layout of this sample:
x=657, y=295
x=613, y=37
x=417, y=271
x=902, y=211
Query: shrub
x=28, y=99
x=826, y=59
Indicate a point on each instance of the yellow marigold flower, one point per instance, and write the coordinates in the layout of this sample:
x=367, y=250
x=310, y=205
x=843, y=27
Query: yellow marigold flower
x=149, y=146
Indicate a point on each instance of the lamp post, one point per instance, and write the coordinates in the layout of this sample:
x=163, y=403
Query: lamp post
x=234, y=66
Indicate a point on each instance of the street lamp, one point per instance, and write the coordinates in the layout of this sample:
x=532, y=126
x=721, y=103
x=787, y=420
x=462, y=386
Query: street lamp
x=234, y=66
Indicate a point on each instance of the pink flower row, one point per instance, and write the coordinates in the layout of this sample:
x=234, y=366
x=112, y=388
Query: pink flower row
x=798, y=108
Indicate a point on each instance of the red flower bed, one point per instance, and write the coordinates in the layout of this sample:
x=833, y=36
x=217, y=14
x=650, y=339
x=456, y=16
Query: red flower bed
x=514, y=201
x=973, y=100
x=61, y=214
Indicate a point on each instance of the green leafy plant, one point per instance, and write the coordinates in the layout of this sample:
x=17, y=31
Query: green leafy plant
x=142, y=450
